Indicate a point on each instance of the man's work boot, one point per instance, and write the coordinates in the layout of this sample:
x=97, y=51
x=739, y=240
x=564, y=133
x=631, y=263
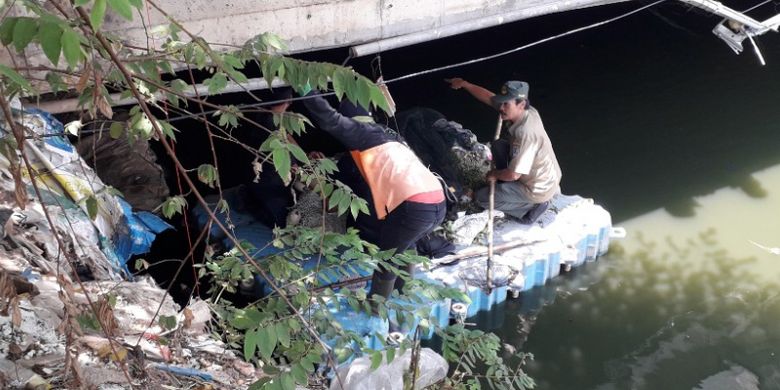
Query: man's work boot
x=379, y=286
x=533, y=214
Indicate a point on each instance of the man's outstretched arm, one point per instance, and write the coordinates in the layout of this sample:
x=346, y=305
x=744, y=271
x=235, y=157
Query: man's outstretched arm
x=479, y=93
x=352, y=134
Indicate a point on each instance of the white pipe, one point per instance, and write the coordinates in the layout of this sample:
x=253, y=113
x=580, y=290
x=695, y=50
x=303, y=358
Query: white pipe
x=720, y=9
x=773, y=23
x=472, y=25
x=68, y=105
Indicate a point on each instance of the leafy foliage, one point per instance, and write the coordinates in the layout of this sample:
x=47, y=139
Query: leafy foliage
x=468, y=349
x=291, y=330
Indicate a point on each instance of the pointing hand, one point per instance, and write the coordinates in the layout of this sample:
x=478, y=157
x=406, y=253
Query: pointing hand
x=456, y=82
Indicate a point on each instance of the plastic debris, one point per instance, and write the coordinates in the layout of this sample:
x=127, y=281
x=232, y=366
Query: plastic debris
x=390, y=376
x=185, y=371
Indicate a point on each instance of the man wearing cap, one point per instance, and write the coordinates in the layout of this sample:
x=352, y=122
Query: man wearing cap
x=526, y=170
x=408, y=199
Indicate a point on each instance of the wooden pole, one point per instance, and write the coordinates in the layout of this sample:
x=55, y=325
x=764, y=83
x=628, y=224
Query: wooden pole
x=492, y=200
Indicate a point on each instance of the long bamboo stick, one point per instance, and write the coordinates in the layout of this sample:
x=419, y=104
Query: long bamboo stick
x=492, y=201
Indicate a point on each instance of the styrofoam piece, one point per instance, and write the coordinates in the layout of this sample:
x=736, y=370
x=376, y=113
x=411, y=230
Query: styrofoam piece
x=573, y=231
x=372, y=329
x=604, y=237
x=438, y=316
x=481, y=301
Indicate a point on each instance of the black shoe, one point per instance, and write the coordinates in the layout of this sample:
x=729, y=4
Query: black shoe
x=533, y=214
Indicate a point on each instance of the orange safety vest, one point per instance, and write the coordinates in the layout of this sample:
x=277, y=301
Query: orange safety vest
x=393, y=173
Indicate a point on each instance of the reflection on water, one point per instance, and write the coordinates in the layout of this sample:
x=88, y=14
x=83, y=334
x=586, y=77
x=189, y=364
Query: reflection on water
x=681, y=303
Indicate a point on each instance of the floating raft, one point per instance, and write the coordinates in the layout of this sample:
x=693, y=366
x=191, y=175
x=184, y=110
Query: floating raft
x=571, y=232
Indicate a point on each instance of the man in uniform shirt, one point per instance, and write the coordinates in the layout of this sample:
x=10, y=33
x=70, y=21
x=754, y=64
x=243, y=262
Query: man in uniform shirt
x=526, y=171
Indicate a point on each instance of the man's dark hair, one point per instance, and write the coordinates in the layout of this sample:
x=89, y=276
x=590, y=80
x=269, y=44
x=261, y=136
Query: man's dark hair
x=279, y=95
x=520, y=100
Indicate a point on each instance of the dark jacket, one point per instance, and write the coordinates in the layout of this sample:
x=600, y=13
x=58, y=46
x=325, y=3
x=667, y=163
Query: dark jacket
x=354, y=135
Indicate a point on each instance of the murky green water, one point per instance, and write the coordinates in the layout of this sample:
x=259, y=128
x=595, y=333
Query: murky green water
x=680, y=139
x=678, y=300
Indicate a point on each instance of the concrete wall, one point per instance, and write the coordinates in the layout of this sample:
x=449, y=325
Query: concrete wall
x=309, y=25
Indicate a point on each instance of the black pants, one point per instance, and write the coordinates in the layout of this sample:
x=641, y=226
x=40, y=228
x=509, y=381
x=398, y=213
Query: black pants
x=409, y=222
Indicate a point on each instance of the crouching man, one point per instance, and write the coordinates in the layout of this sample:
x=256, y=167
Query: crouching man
x=408, y=199
x=526, y=171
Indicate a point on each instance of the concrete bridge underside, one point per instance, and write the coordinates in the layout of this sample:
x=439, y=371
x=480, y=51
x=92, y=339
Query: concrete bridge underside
x=308, y=25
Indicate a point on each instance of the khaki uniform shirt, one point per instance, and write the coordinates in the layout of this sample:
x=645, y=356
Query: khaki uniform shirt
x=532, y=156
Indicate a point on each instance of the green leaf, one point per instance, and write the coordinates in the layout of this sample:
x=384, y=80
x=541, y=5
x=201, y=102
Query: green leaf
x=50, y=35
x=55, y=82
x=250, y=344
x=7, y=30
x=363, y=93
x=88, y=320
x=71, y=47
x=179, y=85
x=376, y=359
x=140, y=124
x=298, y=153
x=122, y=7
x=173, y=205
x=232, y=61
x=222, y=206
x=116, y=130
x=141, y=264
x=216, y=83
x=273, y=66
x=228, y=117
x=207, y=174
x=136, y=3
x=344, y=204
x=299, y=374
x=283, y=334
x=341, y=82
x=260, y=384
x=287, y=382
x=273, y=41
x=294, y=325
x=168, y=130
x=15, y=77
x=92, y=207
x=24, y=32
x=167, y=322
x=80, y=3
x=281, y=158
x=379, y=99
x=97, y=14
x=354, y=208
x=390, y=355
x=267, y=341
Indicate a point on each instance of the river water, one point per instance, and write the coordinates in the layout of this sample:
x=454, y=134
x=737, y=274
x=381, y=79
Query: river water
x=679, y=138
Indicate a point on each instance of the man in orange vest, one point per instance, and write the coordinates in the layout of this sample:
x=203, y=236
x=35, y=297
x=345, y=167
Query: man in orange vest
x=408, y=199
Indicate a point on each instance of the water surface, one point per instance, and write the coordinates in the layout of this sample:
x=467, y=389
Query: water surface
x=678, y=138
